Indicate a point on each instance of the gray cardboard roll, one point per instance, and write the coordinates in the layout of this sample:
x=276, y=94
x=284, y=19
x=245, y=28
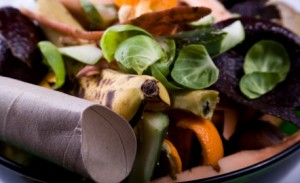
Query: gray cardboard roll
x=77, y=134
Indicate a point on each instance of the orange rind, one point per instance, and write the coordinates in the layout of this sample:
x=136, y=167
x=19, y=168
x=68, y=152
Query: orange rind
x=207, y=135
x=173, y=157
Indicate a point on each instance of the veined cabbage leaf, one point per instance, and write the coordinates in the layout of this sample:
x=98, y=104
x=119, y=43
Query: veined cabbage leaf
x=266, y=64
x=138, y=53
x=194, y=68
x=115, y=35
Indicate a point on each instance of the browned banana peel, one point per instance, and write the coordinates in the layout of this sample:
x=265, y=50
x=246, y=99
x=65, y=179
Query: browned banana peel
x=124, y=93
x=200, y=102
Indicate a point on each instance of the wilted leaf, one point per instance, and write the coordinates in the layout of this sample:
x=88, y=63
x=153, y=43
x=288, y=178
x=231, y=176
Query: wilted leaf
x=165, y=21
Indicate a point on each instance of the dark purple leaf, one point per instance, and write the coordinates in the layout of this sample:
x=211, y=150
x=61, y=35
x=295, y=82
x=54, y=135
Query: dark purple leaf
x=284, y=99
x=20, y=34
x=19, y=55
x=253, y=8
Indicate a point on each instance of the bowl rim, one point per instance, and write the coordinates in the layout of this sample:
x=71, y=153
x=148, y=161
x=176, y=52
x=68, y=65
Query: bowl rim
x=21, y=170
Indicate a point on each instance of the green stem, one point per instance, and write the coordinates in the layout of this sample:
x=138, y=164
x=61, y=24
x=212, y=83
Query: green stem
x=153, y=131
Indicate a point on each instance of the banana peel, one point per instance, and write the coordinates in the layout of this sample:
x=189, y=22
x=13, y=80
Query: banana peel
x=200, y=102
x=124, y=93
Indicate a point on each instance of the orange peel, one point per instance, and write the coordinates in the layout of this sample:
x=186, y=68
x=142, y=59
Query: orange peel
x=154, y=5
x=173, y=157
x=126, y=2
x=207, y=135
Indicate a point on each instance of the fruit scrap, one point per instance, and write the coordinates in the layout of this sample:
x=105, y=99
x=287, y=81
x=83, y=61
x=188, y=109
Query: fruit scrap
x=173, y=158
x=124, y=93
x=208, y=136
x=120, y=3
x=199, y=102
x=132, y=9
x=197, y=140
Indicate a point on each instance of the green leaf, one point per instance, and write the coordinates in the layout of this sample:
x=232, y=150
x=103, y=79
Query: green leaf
x=266, y=64
x=54, y=59
x=211, y=38
x=88, y=54
x=194, y=68
x=169, y=48
x=138, y=53
x=255, y=84
x=155, y=72
x=115, y=35
x=267, y=56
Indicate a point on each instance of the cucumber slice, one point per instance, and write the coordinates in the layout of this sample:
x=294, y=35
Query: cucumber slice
x=88, y=54
x=153, y=131
x=235, y=34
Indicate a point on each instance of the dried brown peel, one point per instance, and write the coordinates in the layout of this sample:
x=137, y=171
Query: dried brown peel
x=164, y=22
x=157, y=23
x=281, y=101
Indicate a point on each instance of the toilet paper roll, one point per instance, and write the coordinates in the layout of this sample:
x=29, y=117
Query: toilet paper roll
x=77, y=134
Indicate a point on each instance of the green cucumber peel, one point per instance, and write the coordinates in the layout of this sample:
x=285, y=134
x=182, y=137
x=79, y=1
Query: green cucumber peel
x=54, y=59
x=153, y=128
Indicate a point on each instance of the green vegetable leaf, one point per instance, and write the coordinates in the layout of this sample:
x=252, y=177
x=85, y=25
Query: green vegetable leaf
x=115, y=35
x=266, y=64
x=255, y=84
x=138, y=53
x=194, y=68
x=267, y=56
x=211, y=38
x=169, y=48
x=155, y=72
x=54, y=59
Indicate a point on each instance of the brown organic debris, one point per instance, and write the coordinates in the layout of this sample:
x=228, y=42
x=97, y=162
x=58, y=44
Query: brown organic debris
x=61, y=27
x=166, y=21
x=157, y=23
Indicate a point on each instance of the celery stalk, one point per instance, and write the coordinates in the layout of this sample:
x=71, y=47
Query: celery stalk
x=153, y=128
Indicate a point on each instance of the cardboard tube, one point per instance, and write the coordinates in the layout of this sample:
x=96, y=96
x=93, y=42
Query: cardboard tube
x=77, y=134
